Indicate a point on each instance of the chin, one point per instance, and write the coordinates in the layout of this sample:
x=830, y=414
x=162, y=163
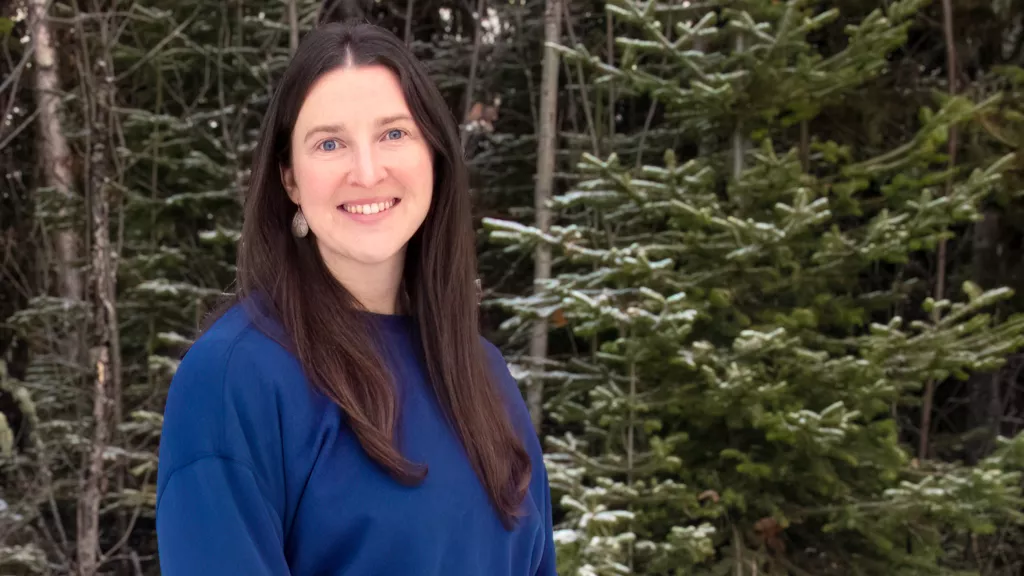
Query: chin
x=376, y=258
x=367, y=254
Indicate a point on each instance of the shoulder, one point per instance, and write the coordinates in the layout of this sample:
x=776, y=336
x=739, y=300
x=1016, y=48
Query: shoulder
x=225, y=397
x=500, y=368
x=233, y=357
x=505, y=375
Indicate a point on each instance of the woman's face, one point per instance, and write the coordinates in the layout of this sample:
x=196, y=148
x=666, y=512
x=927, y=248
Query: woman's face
x=361, y=169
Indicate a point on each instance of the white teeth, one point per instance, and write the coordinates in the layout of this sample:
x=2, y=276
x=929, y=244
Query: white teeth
x=368, y=208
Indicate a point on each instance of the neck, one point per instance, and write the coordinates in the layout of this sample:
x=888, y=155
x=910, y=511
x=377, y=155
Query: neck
x=375, y=286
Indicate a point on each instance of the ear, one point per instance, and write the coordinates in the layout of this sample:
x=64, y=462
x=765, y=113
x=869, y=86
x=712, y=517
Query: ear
x=288, y=181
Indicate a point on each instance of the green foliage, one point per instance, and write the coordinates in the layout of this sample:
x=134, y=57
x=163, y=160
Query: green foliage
x=734, y=414
x=191, y=80
x=750, y=334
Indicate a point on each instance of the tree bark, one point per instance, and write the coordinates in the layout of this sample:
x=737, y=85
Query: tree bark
x=473, y=64
x=409, y=4
x=739, y=142
x=542, y=194
x=56, y=164
x=610, y=57
x=984, y=415
x=293, y=27
x=106, y=381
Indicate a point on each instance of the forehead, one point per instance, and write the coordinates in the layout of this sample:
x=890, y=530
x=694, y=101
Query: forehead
x=353, y=95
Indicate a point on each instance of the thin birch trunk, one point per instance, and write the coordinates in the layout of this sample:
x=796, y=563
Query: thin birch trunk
x=542, y=194
x=56, y=163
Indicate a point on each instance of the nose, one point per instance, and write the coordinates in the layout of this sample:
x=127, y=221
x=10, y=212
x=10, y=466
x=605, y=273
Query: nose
x=366, y=170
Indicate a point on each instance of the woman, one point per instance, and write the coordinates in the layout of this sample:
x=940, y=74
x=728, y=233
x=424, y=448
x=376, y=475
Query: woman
x=343, y=415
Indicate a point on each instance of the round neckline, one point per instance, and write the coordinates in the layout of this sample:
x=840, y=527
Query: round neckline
x=402, y=321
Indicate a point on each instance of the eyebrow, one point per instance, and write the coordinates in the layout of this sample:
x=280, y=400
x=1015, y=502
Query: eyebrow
x=335, y=128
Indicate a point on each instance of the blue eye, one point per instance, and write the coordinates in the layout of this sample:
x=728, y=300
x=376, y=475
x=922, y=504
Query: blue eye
x=329, y=145
x=394, y=134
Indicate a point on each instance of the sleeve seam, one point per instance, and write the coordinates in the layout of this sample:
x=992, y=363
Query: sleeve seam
x=236, y=344
x=229, y=356
x=206, y=456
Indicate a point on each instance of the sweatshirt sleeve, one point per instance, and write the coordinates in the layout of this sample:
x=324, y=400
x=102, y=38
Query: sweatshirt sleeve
x=221, y=497
x=547, y=562
x=213, y=518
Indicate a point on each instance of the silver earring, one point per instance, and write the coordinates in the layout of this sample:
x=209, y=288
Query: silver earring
x=299, y=225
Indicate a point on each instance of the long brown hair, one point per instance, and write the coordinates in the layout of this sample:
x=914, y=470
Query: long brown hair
x=323, y=323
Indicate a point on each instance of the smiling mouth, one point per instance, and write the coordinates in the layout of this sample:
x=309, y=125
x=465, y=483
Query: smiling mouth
x=372, y=208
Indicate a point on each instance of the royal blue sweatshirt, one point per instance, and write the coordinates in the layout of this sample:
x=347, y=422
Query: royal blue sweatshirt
x=259, y=475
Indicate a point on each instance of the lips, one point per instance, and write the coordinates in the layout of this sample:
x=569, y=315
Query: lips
x=369, y=207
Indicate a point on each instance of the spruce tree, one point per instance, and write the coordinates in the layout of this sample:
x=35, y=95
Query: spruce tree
x=734, y=411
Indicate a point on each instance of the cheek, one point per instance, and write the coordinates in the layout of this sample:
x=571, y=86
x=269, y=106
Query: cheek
x=417, y=172
x=316, y=181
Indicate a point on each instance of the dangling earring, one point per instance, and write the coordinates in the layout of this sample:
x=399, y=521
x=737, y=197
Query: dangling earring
x=299, y=225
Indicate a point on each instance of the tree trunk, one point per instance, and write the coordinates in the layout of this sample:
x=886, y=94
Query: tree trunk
x=542, y=194
x=805, y=145
x=105, y=329
x=610, y=58
x=985, y=409
x=739, y=142
x=473, y=64
x=408, y=21
x=56, y=164
x=293, y=26
x=940, y=273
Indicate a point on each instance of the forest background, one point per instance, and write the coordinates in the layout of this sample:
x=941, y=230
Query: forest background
x=756, y=264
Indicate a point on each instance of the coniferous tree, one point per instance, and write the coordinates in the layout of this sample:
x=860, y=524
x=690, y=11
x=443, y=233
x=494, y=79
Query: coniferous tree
x=189, y=81
x=734, y=412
